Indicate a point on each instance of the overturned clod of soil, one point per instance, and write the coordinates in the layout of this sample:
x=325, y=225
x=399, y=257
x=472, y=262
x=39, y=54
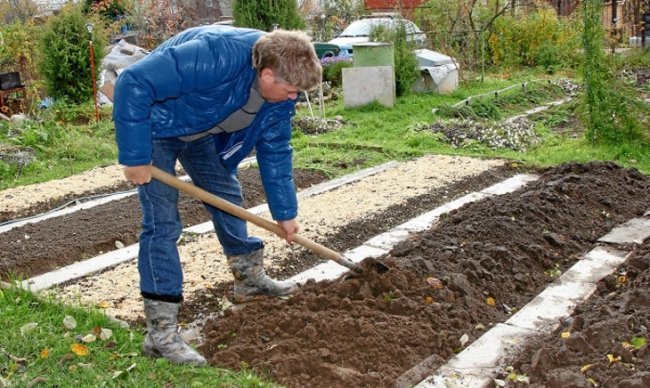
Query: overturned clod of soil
x=476, y=267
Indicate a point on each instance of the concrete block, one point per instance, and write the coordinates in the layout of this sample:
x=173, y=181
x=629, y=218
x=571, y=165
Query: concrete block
x=510, y=184
x=325, y=271
x=474, y=366
x=635, y=231
x=543, y=313
x=357, y=254
x=363, y=85
x=387, y=240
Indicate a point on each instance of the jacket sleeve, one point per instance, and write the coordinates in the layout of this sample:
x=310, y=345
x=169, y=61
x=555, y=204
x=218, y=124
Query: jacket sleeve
x=164, y=75
x=274, y=156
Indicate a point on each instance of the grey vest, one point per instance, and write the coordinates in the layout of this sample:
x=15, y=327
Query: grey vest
x=237, y=120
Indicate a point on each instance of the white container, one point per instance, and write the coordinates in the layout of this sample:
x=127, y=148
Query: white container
x=438, y=72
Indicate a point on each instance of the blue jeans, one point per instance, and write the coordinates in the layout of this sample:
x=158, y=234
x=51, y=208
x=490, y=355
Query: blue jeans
x=159, y=264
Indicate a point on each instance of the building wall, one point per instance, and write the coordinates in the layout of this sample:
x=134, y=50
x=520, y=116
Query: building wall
x=390, y=5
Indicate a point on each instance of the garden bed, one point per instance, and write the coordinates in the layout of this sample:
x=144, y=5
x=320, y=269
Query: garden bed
x=479, y=265
x=474, y=269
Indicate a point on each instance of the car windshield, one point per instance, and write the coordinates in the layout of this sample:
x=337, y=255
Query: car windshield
x=362, y=27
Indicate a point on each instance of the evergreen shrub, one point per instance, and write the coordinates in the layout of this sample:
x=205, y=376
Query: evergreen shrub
x=65, y=61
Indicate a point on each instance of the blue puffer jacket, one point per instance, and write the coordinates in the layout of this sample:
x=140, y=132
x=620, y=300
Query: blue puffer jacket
x=189, y=84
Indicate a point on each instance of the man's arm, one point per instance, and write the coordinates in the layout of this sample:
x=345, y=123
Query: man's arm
x=274, y=156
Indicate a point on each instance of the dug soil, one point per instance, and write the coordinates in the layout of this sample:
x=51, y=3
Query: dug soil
x=477, y=266
x=606, y=339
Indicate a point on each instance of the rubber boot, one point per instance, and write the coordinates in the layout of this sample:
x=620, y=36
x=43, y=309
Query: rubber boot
x=162, y=338
x=252, y=283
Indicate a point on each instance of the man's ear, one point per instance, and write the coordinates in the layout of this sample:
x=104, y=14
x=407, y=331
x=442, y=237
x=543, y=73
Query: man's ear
x=267, y=75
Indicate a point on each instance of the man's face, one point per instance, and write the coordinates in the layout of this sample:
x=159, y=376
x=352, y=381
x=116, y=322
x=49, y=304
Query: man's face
x=273, y=90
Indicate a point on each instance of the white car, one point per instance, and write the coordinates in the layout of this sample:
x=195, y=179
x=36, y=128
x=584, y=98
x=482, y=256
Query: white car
x=359, y=32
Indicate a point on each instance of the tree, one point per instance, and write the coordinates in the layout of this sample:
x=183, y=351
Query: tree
x=264, y=14
x=17, y=11
x=65, y=61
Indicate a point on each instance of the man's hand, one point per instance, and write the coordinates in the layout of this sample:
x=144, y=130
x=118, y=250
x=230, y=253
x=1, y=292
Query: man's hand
x=139, y=175
x=290, y=229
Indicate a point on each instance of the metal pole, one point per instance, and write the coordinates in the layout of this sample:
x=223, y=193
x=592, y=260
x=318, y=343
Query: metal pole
x=482, y=55
x=89, y=26
x=92, y=70
x=614, y=23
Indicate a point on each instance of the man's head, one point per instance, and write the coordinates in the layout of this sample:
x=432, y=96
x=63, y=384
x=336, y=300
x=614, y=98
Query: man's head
x=286, y=63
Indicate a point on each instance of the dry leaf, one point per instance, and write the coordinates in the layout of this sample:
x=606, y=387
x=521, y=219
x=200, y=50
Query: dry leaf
x=586, y=368
x=490, y=301
x=612, y=359
x=26, y=328
x=69, y=322
x=104, y=304
x=119, y=373
x=428, y=300
x=434, y=282
x=45, y=353
x=105, y=334
x=79, y=349
x=88, y=338
x=37, y=380
x=622, y=279
x=592, y=382
x=464, y=339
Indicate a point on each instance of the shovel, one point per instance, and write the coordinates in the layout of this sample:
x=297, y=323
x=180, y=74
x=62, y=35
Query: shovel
x=244, y=214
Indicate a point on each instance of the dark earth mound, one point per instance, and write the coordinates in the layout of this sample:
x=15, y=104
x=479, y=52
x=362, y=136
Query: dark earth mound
x=472, y=270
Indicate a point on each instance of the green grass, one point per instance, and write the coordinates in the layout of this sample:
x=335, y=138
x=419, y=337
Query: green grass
x=35, y=347
x=61, y=150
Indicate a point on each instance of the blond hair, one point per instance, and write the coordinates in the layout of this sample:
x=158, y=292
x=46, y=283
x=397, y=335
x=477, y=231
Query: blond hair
x=291, y=56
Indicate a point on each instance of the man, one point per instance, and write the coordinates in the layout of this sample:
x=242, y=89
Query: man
x=206, y=98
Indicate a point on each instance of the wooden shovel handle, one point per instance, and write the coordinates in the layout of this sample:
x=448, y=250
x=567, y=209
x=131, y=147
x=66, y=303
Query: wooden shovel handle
x=240, y=212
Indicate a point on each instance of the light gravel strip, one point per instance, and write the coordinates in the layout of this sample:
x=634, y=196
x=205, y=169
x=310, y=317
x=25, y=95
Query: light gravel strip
x=89, y=204
x=311, y=191
x=477, y=364
x=113, y=258
x=24, y=197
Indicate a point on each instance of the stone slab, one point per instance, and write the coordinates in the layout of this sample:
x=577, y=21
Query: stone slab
x=475, y=364
x=510, y=184
x=634, y=231
x=363, y=85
